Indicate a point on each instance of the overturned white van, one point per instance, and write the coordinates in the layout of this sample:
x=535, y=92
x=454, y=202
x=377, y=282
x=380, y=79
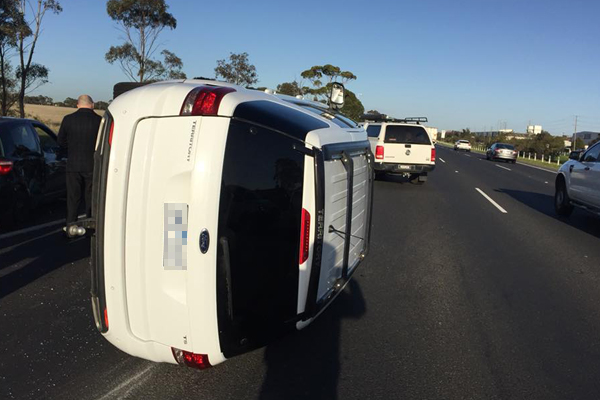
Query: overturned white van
x=224, y=217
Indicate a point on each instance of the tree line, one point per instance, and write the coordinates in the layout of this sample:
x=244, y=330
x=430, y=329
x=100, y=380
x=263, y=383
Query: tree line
x=138, y=56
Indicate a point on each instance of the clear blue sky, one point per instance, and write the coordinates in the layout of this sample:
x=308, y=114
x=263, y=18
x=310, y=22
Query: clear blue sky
x=478, y=64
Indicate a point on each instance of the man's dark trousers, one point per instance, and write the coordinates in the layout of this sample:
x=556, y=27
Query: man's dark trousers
x=78, y=184
x=77, y=135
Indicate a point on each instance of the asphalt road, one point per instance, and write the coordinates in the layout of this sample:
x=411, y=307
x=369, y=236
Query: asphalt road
x=457, y=300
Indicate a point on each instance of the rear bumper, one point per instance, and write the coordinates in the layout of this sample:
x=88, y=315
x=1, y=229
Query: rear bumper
x=504, y=157
x=396, y=168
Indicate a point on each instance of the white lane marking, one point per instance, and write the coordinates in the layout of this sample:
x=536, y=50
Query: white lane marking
x=456, y=172
x=546, y=182
x=127, y=382
x=36, y=228
x=467, y=155
x=502, y=210
x=500, y=166
x=541, y=169
x=441, y=159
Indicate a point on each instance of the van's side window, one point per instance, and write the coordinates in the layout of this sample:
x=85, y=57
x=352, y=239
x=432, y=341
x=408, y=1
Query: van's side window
x=373, y=130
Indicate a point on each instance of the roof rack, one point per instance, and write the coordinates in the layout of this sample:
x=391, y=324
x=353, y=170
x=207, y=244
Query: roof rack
x=385, y=118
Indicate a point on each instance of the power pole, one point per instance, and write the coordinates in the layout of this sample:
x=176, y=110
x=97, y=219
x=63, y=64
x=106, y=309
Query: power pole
x=574, y=135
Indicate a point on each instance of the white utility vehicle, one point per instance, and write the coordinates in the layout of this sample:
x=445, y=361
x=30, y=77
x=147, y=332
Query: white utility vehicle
x=462, y=145
x=224, y=217
x=401, y=146
x=578, y=182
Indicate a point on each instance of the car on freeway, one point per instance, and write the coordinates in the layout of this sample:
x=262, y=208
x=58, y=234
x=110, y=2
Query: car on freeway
x=462, y=145
x=32, y=169
x=577, y=183
x=502, y=151
x=224, y=217
x=401, y=146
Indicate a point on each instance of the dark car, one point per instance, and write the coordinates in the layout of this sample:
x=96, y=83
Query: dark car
x=32, y=170
x=502, y=151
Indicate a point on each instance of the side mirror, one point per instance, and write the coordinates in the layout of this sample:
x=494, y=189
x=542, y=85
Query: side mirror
x=575, y=155
x=336, y=97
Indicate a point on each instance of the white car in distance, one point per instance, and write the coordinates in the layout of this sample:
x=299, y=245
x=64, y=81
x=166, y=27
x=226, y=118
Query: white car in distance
x=462, y=145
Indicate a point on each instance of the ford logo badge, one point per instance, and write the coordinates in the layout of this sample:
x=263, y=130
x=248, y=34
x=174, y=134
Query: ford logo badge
x=408, y=152
x=204, y=241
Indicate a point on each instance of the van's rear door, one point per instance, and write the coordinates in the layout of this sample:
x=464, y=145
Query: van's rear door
x=407, y=144
x=344, y=182
x=157, y=223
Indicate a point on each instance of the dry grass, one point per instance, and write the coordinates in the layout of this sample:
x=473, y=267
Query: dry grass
x=50, y=115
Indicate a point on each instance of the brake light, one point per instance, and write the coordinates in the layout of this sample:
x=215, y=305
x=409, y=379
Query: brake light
x=5, y=167
x=190, y=359
x=112, y=128
x=105, y=318
x=304, y=236
x=379, y=153
x=204, y=100
x=432, y=154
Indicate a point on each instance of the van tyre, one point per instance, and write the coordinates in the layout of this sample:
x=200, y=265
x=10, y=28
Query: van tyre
x=562, y=203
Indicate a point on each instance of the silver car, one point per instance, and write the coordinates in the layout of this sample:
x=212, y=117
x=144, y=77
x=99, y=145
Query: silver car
x=502, y=151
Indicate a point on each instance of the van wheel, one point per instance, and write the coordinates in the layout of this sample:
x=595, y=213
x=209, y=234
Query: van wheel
x=562, y=203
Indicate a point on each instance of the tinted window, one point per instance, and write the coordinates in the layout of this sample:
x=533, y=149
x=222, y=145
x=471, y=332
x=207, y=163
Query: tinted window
x=373, y=130
x=463, y=141
x=593, y=154
x=19, y=140
x=47, y=141
x=259, y=219
x=406, y=134
x=278, y=117
x=505, y=146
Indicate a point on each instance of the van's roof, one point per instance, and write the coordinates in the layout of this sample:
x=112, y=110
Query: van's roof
x=166, y=98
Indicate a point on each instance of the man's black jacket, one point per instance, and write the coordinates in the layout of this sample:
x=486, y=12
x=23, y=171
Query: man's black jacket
x=77, y=136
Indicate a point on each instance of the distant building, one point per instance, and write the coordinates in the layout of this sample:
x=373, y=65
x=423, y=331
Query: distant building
x=443, y=134
x=534, y=129
x=587, y=136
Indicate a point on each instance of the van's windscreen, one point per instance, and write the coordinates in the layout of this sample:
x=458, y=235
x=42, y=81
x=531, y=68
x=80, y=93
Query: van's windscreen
x=406, y=134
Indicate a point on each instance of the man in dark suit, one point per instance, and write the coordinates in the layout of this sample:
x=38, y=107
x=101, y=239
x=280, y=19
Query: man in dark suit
x=77, y=137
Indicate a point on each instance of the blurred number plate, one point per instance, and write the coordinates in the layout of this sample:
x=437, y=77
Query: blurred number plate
x=403, y=166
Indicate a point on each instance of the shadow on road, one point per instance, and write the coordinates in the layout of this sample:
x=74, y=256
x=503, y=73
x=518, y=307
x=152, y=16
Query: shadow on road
x=306, y=365
x=24, y=259
x=48, y=212
x=544, y=204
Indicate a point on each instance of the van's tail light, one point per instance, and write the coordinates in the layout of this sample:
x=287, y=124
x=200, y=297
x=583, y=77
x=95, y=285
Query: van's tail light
x=110, y=134
x=5, y=167
x=204, y=100
x=106, y=318
x=433, y=154
x=190, y=359
x=379, y=153
x=304, y=236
